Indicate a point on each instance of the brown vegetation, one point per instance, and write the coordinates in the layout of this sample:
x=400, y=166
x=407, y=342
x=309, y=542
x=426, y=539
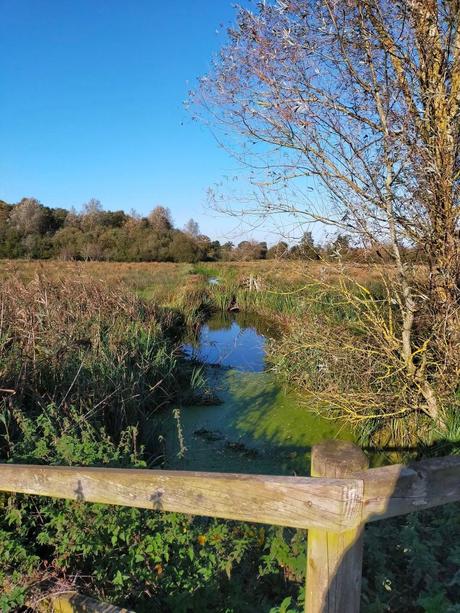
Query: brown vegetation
x=358, y=102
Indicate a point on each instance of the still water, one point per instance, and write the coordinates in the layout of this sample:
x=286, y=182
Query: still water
x=258, y=425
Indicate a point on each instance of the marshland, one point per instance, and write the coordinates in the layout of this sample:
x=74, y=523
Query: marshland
x=313, y=295
x=142, y=365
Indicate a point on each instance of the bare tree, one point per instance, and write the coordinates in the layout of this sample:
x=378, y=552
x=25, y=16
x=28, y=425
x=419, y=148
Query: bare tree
x=91, y=214
x=360, y=99
x=192, y=228
x=160, y=219
x=28, y=216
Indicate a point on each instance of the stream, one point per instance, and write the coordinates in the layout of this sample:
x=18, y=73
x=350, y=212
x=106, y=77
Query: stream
x=258, y=425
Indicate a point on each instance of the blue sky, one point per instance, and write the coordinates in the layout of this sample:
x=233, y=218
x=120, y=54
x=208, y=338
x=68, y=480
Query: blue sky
x=91, y=104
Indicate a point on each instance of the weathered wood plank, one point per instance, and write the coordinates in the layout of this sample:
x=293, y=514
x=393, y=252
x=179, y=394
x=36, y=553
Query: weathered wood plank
x=298, y=502
x=397, y=490
x=334, y=563
x=76, y=603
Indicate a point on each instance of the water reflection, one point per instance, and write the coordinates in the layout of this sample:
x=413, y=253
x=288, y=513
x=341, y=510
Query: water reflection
x=259, y=425
x=231, y=341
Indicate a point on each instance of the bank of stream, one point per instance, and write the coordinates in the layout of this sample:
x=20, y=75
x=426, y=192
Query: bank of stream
x=254, y=423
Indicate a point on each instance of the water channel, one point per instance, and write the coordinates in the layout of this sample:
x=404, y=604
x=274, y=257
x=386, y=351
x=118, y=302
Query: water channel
x=258, y=425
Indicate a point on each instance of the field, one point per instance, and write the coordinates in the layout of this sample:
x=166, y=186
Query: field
x=90, y=356
x=339, y=328
x=142, y=275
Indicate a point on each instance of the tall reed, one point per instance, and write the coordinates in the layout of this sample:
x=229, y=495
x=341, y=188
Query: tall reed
x=80, y=345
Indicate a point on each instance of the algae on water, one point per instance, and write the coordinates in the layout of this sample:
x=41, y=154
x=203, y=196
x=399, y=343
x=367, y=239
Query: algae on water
x=259, y=426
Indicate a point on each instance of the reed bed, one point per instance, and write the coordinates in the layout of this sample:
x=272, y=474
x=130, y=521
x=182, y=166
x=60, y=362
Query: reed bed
x=84, y=365
x=74, y=345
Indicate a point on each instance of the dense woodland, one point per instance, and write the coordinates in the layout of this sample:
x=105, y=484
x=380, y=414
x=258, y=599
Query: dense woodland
x=28, y=229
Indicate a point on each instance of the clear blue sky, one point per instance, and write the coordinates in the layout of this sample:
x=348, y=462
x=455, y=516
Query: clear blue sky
x=91, y=104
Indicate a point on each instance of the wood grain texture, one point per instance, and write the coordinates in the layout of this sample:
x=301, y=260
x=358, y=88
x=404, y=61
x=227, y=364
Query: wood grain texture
x=76, y=603
x=334, y=562
x=397, y=490
x=298, y=502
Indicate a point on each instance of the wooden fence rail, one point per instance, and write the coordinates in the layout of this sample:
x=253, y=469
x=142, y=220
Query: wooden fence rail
x=333, y=504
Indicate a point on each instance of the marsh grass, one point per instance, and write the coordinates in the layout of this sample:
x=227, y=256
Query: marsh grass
x=149, y=280
x=340, y=342
x=83, y=366
x=86, y=356
x=81, y=346
x=346, y=366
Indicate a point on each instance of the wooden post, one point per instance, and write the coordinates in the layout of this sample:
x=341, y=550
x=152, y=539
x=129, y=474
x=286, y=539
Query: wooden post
x=334, y=563
x=76, y=603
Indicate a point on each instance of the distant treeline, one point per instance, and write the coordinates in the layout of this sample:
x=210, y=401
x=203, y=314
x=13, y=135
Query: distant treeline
x=29, y=229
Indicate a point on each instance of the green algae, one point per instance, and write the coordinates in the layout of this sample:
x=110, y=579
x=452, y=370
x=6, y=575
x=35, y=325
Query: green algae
x=260, y=426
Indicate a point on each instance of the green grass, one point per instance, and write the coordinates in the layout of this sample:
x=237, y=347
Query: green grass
x=88, y=364
x=89, y=354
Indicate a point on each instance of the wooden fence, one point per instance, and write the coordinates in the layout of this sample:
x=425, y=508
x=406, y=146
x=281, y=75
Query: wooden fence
x=334, y=504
